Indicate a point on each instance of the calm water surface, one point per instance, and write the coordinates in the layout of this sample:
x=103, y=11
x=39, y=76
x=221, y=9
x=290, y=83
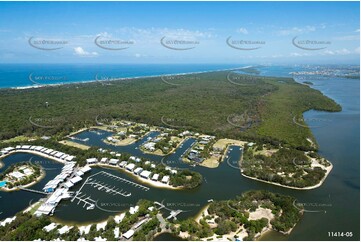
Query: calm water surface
x=337, y=200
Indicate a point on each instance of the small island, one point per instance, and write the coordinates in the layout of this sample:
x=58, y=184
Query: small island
x=246, y=217
x=283, y=166
x=146, y=171
x=22, y=174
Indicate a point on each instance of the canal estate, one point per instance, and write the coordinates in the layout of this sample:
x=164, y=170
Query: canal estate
x=127, y=180
x=111, y=185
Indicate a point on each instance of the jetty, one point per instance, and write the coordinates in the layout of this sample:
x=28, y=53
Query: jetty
x=32, y=190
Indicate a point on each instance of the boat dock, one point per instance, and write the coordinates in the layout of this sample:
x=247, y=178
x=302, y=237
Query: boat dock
x=102, y=186
x=108, y=189
x=32, y=190
x=173, y=213
x=90, y=203
x=124, y=180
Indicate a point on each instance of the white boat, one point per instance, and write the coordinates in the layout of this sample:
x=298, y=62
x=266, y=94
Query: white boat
x=90, y=207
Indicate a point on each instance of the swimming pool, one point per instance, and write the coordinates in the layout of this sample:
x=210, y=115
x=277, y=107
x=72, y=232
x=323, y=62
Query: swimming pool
x=2, y=183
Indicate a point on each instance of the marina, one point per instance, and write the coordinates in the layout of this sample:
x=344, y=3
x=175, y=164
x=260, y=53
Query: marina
x=232, y=183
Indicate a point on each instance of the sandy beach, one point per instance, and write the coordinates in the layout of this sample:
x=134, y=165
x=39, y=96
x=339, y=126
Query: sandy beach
x=126, y=78
x=221, y=144
x=124, y=142
x=74, y=144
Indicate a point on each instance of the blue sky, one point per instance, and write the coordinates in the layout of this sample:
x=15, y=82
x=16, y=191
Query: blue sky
x=180, y=32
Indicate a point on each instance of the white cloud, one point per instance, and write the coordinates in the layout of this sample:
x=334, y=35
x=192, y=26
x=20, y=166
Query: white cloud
x=243, y=30
x=137, y=55
x=297, y=30
x=348, y=37
x=81, y=52
x=328, y=52
x=153, y=35
x=295, y=54
x=343, y=51
x=105, y=34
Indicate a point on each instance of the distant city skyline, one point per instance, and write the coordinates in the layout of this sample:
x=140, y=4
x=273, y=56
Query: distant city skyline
x=180, y=32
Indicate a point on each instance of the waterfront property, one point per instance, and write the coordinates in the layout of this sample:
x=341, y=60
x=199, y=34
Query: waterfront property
x=145, y=174
x=38, y=150
x=52, y=201
x=165, y=179
x=91, y=161
x=58, y=188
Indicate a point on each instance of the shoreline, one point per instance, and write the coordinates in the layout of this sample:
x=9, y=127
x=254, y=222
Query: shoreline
x=198, y=216
x=150, y=152
x=105, y=141
x=83, y=224
x=228, y=143
x=232, y=143
x=126, y=143
x=290, y=187
x=74, y=144
x=34, y=153
x=76, y=132
x=140, y=179
x=257, y=237
x=121, y=79
x=170, y=153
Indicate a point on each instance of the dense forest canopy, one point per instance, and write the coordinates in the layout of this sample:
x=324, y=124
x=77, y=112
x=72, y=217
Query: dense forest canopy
x=240, y=106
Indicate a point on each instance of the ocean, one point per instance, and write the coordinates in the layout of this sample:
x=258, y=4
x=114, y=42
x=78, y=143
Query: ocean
x=27, y=75
x=336, y=202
